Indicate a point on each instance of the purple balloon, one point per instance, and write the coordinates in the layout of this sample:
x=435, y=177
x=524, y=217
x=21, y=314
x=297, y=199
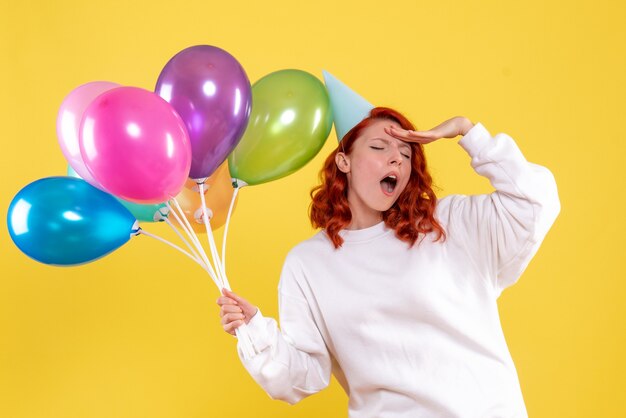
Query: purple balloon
x=211, y=92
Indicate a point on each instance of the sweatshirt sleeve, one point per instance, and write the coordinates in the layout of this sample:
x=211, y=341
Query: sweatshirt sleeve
x=502, y=230
x=292, y=362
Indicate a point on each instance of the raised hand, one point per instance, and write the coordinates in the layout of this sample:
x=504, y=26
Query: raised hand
x=458, y=125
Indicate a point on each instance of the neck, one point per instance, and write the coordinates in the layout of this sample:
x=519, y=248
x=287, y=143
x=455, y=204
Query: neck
x=363, y=217
x=354, y=225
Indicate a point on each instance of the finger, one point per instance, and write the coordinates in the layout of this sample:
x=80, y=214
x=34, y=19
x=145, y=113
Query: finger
x=229, y=329
x=421, y=134
x=232, y=317
x=426, y=134
x=232, y=326
x=236, y=297
x=229, y=293
x=222, y=300
x=226, y=309
x=420, y=137
x=230, y=309
x=248, y=309
x=250, y=314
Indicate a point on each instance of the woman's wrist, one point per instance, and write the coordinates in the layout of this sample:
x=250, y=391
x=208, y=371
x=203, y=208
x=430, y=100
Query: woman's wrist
x=465, y=127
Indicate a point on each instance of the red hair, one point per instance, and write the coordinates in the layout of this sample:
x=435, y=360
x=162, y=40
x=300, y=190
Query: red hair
x=412, y=213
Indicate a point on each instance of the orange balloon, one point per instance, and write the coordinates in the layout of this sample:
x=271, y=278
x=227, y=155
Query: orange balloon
x=218, y=192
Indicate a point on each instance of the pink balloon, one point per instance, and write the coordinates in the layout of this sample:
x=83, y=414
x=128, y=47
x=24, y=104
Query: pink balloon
x=68, y=124
x=135, y=144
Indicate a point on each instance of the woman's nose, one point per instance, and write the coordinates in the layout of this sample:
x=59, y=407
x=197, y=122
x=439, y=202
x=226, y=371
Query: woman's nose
x=395, y=157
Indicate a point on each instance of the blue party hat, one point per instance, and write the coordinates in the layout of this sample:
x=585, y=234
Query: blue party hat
x=348, y=107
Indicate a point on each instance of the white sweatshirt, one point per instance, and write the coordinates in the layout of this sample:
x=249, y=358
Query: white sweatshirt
x=412, y=332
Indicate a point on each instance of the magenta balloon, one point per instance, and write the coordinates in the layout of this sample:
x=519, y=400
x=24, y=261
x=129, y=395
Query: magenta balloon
x=135, y=144
x=68, y=124
x=211, y=92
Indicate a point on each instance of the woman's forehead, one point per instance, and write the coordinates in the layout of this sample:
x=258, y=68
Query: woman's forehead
x=379, y=125
x=377, y=131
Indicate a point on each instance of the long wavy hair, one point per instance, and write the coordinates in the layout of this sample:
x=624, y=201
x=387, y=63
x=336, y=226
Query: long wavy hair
x=412, y=213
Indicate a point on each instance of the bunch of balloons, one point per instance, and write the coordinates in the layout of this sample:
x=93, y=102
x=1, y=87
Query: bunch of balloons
x=176, y=155
x=137, y=156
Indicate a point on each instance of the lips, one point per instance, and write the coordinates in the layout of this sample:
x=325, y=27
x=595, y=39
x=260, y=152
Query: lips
x=388, y=183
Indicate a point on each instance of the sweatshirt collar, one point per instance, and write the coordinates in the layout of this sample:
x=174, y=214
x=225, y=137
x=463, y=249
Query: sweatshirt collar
x=365, y=234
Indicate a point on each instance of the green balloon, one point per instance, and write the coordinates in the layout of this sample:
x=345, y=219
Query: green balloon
x=146, y=213
x=143, y=213
x=289, y=122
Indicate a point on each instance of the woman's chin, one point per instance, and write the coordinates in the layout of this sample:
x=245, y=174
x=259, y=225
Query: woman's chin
x=384, y=206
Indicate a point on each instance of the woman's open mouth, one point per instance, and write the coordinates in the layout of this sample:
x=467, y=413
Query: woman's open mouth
x=388, y=184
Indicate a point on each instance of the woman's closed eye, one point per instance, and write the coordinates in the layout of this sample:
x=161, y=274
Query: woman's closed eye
x=408, y=157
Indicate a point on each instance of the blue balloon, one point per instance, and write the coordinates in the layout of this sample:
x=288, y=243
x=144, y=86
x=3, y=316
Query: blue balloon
x=66, y=221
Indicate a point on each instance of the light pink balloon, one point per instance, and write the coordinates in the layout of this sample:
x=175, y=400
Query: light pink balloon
x=135, y=144
x=68, y=124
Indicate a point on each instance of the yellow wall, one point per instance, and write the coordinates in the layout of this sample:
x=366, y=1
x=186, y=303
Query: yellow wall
x=137, y=333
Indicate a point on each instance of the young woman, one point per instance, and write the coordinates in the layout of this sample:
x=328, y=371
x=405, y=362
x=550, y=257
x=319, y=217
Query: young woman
x=396, y=295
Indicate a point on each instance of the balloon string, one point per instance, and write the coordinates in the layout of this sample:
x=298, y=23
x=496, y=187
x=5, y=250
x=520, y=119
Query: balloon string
x=246, y=341
x=241, y=332
x=191, y=234
x=171, y=225
x=211, y=240
x=230, y=211
x=144, y=232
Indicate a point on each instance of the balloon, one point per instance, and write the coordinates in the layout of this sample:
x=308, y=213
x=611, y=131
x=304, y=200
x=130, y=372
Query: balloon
x=218, y=194
x=66, y=221
x=211, y=92
x=135, y=144
x=154, y=212
x=68, y=124
x=143, y=213
x=289, y=124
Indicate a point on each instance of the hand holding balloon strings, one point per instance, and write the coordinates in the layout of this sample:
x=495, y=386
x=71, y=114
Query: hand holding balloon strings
x=241, y=332
x=218, y=275
x=200, y=82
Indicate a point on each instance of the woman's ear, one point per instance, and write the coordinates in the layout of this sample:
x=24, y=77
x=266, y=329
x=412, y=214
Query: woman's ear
x=343, y=162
